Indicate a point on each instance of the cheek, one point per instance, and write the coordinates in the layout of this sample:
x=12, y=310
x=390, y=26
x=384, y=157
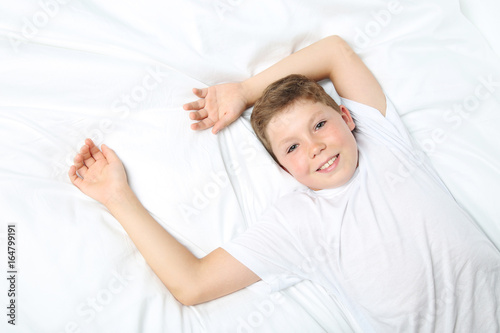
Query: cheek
x=352, y=140
x=344, y=135
x=296, y=164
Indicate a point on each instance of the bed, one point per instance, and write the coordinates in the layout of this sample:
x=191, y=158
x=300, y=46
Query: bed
x=120, y=71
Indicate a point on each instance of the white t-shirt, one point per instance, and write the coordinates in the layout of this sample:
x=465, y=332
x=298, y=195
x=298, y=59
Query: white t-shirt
x=391, y=244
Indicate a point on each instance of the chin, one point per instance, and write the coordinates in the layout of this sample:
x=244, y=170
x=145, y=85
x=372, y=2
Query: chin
x=330, y=186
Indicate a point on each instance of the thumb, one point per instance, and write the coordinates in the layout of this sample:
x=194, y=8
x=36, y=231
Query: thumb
x=109, y=154
x=222, y=123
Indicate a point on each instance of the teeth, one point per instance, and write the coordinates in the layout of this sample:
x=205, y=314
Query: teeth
x=327, y=164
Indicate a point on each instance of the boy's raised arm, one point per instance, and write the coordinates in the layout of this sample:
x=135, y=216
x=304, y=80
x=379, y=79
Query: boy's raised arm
x=330, y=57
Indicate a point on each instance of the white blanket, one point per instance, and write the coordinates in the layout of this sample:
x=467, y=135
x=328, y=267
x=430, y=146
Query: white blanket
x=119, y=72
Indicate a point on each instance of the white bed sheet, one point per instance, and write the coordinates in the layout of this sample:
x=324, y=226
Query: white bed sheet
x=120, y=71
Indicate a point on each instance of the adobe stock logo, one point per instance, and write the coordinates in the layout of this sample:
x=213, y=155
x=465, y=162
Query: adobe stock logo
x=123, y=106
x=137, y=94
x=263, y=309
x=461, y=111
x=97, y=302
x=39, y=20
x=381, y=20
x=217, y=182
x=225, y=6
x=456, y=116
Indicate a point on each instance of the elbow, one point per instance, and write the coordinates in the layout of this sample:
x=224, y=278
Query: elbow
x=187, y=294
x=336, y=42
x=335, y=45
x=187, y=299
x=335, y=39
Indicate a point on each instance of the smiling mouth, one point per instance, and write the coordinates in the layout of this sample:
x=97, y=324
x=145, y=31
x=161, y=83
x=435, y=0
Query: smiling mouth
x=328, y=163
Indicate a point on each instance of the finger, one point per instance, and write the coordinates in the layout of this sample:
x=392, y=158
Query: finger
x=75, y=180
x=196, y=105
x=198, y=115
x=109, y=154
x=94, y=151
x=222, y=123
x=79, y=166
x=201, y=93
x=86, y=156
x=204, y=124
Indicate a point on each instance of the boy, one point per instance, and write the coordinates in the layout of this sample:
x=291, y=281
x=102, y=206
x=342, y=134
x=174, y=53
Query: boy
x=400, y=255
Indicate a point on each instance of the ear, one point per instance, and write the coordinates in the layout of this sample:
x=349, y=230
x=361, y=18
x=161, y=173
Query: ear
x=346, y=115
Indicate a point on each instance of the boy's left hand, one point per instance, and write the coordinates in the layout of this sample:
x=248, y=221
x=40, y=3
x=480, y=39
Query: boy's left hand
x=101, y=175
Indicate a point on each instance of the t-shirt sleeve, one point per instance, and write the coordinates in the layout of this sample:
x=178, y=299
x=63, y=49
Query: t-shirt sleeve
x=369, y=119
x=272, y=248
x=390, y=132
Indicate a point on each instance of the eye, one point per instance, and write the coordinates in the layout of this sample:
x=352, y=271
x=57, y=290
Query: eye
x=292, y=148
x=320, y=124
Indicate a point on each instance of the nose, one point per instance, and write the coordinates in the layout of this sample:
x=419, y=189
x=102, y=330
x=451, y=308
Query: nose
x=315, y=148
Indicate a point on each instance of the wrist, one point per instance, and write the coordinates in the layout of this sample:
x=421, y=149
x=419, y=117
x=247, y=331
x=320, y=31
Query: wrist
x=122, y=196
x=248, y=90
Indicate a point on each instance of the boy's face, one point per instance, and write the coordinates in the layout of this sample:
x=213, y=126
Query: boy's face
x=314, y=143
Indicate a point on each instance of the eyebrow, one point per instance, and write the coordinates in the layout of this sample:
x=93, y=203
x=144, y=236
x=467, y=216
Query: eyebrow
x=311, y=121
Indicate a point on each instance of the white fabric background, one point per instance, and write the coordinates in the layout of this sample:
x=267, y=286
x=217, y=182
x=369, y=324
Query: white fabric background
x=119, y=72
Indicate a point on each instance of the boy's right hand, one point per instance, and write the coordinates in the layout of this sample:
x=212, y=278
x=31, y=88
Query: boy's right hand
x=218, y=106
x=99, y=174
